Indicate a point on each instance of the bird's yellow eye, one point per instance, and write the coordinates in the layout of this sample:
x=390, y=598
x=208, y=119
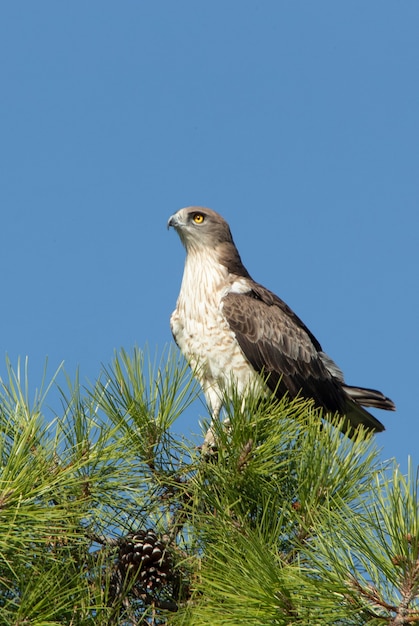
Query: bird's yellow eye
x=198, y=218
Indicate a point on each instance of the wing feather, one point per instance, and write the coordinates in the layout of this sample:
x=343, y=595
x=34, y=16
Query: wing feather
x=277, y=343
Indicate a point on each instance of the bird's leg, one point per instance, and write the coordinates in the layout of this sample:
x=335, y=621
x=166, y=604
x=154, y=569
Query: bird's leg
x=214, y=403
x=210, y=446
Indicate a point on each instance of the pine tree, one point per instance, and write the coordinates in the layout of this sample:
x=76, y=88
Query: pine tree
x=109, y=517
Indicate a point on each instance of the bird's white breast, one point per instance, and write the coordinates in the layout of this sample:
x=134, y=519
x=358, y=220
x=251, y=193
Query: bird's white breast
x=203, y=334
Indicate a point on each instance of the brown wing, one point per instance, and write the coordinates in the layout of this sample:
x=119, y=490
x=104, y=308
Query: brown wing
x=277, y=343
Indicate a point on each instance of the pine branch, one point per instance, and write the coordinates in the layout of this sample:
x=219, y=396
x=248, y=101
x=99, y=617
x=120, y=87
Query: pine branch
x=108, y=517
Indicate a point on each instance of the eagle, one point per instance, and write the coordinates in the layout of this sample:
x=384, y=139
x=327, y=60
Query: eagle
x=236, y=334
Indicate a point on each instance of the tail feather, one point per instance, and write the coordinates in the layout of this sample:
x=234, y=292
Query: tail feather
x=370, y=397
x=356, y=414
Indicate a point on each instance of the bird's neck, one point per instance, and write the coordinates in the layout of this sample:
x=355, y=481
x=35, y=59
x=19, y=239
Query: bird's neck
x=203, y=277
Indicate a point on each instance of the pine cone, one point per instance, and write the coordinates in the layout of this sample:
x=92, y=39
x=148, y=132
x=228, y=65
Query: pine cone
x=144, y=555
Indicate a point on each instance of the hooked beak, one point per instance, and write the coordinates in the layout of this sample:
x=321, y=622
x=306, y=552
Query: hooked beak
x=173, y=221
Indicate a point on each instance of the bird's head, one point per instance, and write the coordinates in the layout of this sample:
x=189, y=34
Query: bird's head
x=199, y=228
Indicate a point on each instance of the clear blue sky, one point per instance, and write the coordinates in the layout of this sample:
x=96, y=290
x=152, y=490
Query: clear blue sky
x=297, y=121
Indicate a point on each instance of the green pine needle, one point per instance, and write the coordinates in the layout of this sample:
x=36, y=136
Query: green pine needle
x=287, y=521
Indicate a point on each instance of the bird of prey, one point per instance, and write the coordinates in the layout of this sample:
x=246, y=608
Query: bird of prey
x=234, y=331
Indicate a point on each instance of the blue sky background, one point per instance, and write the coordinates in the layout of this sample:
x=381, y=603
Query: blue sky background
x=297, y=121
